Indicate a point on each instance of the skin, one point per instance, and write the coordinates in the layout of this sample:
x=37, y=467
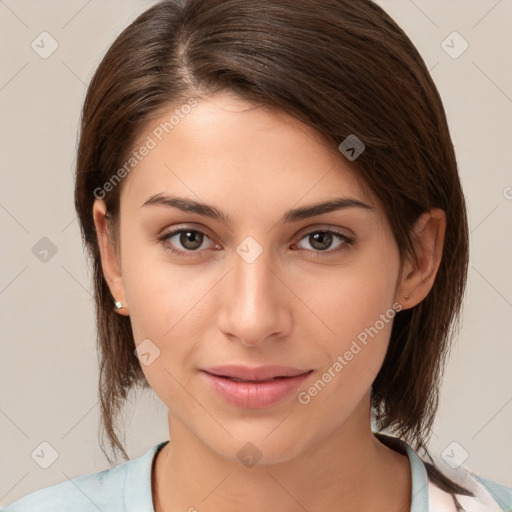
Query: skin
x=213, y=307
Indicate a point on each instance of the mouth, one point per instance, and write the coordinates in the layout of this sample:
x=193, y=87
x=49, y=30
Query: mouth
x=235, y=379
x=254, y=388
x=239, y=373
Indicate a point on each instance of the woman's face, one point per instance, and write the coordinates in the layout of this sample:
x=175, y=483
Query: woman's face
x=255, y=282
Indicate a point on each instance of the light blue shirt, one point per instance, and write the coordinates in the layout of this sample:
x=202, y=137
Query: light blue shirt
x=127, y=488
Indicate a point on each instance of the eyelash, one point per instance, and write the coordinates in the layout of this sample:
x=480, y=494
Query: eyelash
x=344, y=238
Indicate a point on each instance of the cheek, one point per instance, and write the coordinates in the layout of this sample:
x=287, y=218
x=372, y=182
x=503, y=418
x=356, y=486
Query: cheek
x=356, y=311
x=158, y=292
x=169, y=301
x=353, y=355
x=168, y=313
x=350, y=299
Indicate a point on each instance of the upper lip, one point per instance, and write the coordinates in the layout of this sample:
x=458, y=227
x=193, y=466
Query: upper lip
x=258, y=373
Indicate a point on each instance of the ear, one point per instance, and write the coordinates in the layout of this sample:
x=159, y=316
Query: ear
x=110, y=260
x=416, y=280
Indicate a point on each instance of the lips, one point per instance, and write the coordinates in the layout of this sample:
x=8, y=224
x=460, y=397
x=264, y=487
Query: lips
x=254, y=388
x=260, y=374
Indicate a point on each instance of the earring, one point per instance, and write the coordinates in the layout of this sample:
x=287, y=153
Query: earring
x=406, y=297
x=118, y=304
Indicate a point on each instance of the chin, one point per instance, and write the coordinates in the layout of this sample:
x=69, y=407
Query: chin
x=260, y=448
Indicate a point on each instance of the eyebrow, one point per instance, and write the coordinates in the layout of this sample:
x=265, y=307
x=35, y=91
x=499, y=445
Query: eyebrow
x=191, y=206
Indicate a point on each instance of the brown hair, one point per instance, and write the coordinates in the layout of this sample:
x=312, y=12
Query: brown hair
x=342, y=67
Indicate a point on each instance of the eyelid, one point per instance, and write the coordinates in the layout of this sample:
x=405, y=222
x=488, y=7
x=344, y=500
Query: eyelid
x=186, y=226
x=326, y=227
x=301, y=233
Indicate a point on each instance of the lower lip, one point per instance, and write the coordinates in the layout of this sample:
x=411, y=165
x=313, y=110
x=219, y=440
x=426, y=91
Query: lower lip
x=254, y=395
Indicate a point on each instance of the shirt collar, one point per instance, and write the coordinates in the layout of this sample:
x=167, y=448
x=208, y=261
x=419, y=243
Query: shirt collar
x=419, y=495
x=137, y=486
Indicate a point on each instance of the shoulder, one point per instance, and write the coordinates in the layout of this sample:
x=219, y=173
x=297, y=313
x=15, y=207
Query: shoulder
x=500, y=493
x=123, y=488
x=489, y=496
x=79, y=493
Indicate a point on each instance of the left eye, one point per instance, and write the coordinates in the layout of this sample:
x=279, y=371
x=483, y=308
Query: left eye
x=322, y=240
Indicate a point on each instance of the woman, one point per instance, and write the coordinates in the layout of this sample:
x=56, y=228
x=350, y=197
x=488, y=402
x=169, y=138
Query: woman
x=270, y=198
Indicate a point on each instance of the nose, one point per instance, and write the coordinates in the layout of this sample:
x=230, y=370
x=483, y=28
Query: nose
x=255, y=301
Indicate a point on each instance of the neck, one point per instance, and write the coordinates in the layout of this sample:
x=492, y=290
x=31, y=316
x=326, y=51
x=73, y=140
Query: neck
x=350, y=467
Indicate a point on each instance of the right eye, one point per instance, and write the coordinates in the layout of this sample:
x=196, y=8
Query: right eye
x=190, y=239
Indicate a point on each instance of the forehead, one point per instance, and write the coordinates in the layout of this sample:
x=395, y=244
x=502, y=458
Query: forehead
x=226, y=149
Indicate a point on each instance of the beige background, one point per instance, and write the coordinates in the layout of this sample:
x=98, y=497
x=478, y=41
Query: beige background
x=48, y=363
